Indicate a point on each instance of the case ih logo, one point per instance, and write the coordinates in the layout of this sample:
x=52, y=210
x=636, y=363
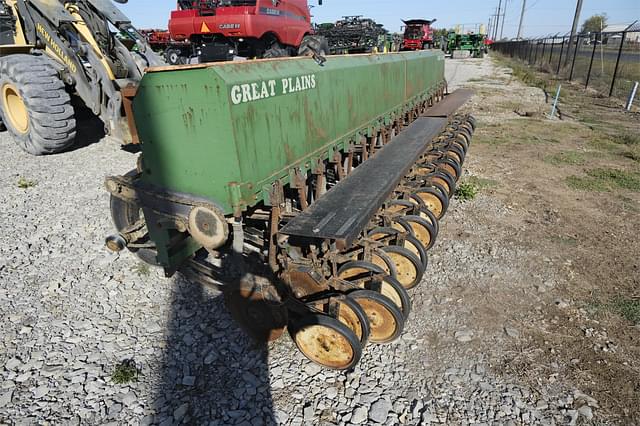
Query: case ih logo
x=229, y=26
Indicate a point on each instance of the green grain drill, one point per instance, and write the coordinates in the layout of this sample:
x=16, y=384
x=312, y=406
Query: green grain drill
x=309, y=194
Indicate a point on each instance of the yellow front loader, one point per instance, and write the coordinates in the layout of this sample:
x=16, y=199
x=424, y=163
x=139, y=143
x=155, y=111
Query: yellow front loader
x=51, y=50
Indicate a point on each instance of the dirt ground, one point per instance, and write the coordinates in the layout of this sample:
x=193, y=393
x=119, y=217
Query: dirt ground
x=556, y=224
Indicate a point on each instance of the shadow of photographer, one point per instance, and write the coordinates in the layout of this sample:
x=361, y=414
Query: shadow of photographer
x=212, y=372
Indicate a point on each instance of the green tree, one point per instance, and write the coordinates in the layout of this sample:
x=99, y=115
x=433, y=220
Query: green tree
x=439, y=32
x=595, y=24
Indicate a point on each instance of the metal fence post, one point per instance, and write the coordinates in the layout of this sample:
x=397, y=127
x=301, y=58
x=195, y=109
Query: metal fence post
x=535, y=56
x=551, y=55
x=593, y=54
x=560, y=60
x=530, y=51
x=615, y=72
x=544, y=46
x=575, y=53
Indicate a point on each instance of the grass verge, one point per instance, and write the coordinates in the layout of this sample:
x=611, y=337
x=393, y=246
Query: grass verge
x=568, y=157
x=605, y=180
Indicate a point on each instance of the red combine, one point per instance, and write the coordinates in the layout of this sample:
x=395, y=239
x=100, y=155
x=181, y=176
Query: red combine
x=219, y=30
x=418, y=34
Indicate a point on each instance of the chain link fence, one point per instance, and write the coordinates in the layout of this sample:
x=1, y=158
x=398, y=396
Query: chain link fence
x=608, y=62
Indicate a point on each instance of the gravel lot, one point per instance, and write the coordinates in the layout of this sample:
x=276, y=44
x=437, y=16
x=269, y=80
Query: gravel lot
x=72, y=311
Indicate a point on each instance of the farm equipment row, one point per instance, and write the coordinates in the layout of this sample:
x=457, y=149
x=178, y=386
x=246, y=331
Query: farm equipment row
x=308, y=198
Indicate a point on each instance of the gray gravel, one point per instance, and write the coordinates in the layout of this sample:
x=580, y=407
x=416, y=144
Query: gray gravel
x=72, y=311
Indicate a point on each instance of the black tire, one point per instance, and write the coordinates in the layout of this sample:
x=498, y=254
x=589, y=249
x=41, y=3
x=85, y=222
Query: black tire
x=275, y=51
x=50, y=126
x=314, y=44
x=125, y=214
x=174, y=57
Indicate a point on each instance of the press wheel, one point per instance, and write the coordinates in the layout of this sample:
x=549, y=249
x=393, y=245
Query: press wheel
x=433, y=199
x=368, y=276
x=429, y=167
x=454, y=152
x=453, y=168
x=397, y=207
x=410, y=268
x=380, y=258
x=348, y=312
x=443, y=179
x=419, y=228
x=401, y=238
x=326, y=341
x=257, y=309
x=386, y=320
x=427, y=215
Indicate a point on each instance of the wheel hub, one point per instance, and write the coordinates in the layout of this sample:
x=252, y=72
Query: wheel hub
x=15, y=108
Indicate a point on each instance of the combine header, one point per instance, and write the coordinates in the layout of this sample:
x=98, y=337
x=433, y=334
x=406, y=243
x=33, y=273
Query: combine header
x=353, y=34
x=310, y=199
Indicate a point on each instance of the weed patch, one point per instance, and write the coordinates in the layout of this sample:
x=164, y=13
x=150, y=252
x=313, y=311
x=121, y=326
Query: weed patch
x=467, y=191
x=26, y=183
x=628, y=308
x=125, y=372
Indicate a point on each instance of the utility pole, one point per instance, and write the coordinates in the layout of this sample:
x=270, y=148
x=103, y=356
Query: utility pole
x=574, y=28
x=504, y=14
x=497, y=23
x=524, y=6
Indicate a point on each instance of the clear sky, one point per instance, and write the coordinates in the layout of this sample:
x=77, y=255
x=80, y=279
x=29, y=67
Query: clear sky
x=543, y=16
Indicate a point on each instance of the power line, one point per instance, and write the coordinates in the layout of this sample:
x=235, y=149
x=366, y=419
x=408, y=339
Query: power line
x=574, y=27
x=504, y=13
x=524, y=8
x=495, y=31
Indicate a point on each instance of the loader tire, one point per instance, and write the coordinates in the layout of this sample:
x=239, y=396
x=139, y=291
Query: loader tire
x=313, y=44
x=35, y=106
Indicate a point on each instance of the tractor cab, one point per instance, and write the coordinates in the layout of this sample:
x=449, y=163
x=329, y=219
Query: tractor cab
x=418, y=34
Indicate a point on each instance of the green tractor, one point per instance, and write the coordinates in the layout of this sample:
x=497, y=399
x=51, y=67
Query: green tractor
x=472, y=42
